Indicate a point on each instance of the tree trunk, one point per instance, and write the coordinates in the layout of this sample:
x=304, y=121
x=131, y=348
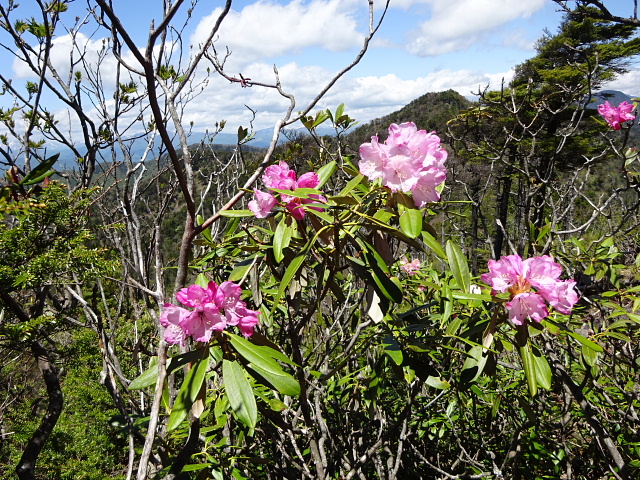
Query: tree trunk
x=26, y=469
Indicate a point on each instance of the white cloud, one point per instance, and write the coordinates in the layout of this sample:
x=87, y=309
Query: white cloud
x=628, y=83
x=266, y=29
x=98, y=64
x=365, y=98
x=458, y=25
x=518, y=39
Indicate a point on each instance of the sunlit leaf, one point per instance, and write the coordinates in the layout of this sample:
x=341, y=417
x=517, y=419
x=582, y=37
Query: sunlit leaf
x=189, y=391
x=240, y=393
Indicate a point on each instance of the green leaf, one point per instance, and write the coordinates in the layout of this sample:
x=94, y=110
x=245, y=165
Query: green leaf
x=149, y=376
x=355, y=181
x=41, y=171
x=392, y=348
x=324, y=173
x=291, y=271
x=263, y=359
x=472, y=296
x=237, y=213
x=586, y=342
x=281, y=239
x=390, y=289
x=474, y=364
x=447, y=303
x=590, y=356
x=240, y=393
x=529, y=365
x=283, y=383
x=298, y=192
x=202, y=280
x=193, y=383
x=542, y=368
x=433, y=244
x=146, y=378
x=459, y=266
x=437, y=382
x=410, y=221
x=321, y=117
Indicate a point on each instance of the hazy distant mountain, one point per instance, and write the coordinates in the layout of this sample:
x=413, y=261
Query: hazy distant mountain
x=261, y=139
x=430, y=111
x=614, y=97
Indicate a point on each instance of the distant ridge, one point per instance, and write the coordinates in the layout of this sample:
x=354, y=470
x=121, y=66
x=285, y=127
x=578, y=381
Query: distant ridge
x=429, y=112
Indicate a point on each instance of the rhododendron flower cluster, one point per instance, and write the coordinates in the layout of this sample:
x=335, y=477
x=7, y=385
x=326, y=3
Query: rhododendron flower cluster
x=410, y=160
x=410, y=268
x=214, y=308
x=616, y=116
x=281, y=177
x=533, y=283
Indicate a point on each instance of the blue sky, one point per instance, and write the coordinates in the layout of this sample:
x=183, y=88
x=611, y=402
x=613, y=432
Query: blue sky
x=422, y=46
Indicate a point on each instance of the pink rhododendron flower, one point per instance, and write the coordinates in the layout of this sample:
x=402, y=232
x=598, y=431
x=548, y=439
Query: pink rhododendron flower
x=262, y=204
x=214, y=308
x=410, y=160
x=281, y=177
x=170, y=319
x=533, y=283
x=616, y=116
x=408, y=267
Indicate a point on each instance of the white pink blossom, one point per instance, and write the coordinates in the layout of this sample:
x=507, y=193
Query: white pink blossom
x=214, y=308
x=616, y=116
x=410, y=160
x=410, y=268
x=533, y=284
x=281, y=177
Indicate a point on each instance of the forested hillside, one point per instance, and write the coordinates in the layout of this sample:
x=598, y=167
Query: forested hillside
x=447, y=292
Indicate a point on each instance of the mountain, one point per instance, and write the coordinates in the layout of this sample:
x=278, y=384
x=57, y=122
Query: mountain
x=260, y=140
x=430, y=112
x=614, y=97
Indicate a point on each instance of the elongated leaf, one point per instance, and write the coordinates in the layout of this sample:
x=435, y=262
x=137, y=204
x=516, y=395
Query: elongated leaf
x=324, y=173
x=410, y=221
x=146, y=378
x=189, y=391
x=283, y=382
x=529, y=365
x=237, y=213
x=256, y=353
x=474, y=364
x=586, y=342
x=351, y=185
x=472, y=296
x=41, y=171
x=281, y=239
x=392, y=348
x=459, y=266
x=386, y=285
x=149, y=376
x=447, y=303
x=543, y=370
x=298, y=192
x=291, y=271
x=590, y=356
x=263, y=360
x=240, y=393
x=437, y=382
x=433, y=244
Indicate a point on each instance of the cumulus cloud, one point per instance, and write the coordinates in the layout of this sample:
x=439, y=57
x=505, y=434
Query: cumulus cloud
x=458, y=25
x=628, y=83
x=365, y=97
x=95, y=56
x=266, y=29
